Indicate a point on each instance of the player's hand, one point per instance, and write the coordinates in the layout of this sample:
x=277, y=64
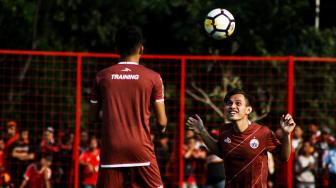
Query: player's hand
x=163, y=129
x=91, y=168
x=287, y=123
x=196, y=124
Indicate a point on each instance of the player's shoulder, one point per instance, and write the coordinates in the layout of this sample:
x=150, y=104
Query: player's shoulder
x=100, y=74
x=261, y=128
x=149, y=70
x=226, y=128
x=107, y=69
x=31, y=166
x=127, y=68
x=85, y=153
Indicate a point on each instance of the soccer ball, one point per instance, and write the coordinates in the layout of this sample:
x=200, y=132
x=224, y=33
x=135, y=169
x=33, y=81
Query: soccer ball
x=219, y=23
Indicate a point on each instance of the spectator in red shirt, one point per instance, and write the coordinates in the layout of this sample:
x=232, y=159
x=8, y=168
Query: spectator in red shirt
x=2, y=152
x=190, y=163
x=48, y=144
x=90, y=160
x=84, y=141
x=10, y=138
x=21, y=155
x=62, y=169
x=4, y=176
x=12, y=134
x=38, y=174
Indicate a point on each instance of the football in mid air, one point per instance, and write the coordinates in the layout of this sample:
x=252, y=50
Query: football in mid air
x=219, y=23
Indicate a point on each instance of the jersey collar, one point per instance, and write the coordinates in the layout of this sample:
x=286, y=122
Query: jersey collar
x=128, y=62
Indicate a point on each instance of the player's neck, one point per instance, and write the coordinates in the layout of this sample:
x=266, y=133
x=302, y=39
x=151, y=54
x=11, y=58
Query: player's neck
x=241, y=125
x=131, y=58
x=94, y=150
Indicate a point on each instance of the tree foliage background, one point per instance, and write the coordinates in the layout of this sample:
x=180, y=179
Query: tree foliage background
x=170, y=26
x=273, y=27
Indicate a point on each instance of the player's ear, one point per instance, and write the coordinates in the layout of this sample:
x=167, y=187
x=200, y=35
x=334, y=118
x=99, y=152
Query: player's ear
x=248, y=109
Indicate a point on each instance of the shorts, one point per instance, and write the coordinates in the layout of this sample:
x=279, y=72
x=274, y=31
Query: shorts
x=130, y=177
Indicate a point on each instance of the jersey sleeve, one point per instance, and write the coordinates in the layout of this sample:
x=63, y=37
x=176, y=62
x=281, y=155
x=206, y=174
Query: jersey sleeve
x=82, y=157
x=94, y=96
x=272, y=141
x=29, y=171
x=158, y=90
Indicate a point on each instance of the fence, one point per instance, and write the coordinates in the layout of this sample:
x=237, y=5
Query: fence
x=50, y=89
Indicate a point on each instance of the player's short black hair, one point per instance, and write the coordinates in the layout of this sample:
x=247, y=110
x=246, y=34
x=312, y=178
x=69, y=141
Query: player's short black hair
x=128, y=39
x=235, y=91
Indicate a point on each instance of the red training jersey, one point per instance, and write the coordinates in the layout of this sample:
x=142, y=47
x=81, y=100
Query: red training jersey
x=90, y=178
x=12, y=140
x=125, y=92
x=36, y=176
x=245, y=155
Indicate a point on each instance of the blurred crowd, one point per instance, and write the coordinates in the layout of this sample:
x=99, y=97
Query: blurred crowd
x=313, y=161
x=48, y=162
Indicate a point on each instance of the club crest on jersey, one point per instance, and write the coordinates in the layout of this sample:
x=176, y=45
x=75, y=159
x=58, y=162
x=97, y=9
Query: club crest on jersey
x=227, y=140
x=254, y=143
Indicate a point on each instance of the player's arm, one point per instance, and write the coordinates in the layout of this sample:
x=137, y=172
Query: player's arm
x=47, y=175
x=22, y=156
x=287, y=124
x=159, y=105
x=17, y=154
x=47, y=183
x=160, y=114
x=26, y=176
x=24, y=183
x=196, y=124
x=285, y=147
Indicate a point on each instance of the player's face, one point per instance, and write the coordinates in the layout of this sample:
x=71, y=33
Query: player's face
x=306, y=148
x=236, y=108
x=84, y=137
x=49, y=136
x=11, y=130
x=312, y=128
x=93, y=144
x=45, y=162
x=298, y=132
x=25, y=135
x=191, y=142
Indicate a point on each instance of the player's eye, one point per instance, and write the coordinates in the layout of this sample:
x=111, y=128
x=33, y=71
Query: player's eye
x=228, y=103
